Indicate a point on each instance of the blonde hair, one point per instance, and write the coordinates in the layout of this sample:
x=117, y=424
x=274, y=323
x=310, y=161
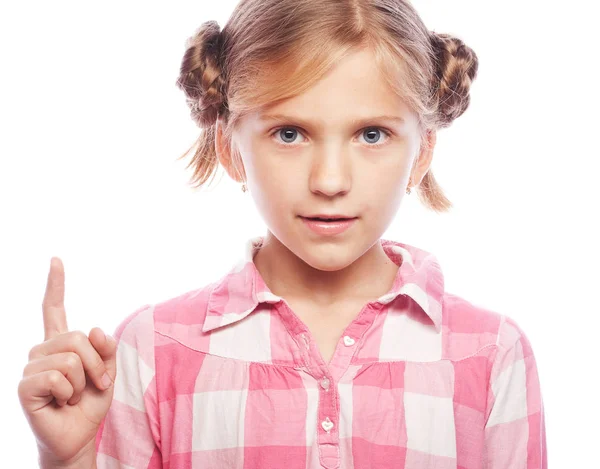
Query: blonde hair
x=271, y=50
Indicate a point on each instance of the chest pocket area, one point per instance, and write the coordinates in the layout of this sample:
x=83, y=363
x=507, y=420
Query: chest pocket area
x=408, y=405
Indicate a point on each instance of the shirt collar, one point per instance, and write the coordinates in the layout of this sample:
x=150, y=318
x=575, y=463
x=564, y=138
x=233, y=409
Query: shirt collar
x=242, y=289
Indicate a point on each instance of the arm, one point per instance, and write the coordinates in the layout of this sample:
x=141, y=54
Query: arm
x=129, y=435
x=515, y=434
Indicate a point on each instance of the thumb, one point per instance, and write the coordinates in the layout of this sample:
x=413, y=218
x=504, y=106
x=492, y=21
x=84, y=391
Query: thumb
x=106, y=346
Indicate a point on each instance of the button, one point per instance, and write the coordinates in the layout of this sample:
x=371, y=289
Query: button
x=348, y=340
x=325, y=383
x=327, y=424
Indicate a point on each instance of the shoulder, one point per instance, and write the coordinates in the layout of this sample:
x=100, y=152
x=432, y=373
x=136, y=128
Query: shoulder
x=173, y=317
x=188, y=308
x=462, y=315
x=470, y=327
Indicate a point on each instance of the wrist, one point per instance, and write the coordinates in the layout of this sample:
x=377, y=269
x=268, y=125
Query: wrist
x=84, y=461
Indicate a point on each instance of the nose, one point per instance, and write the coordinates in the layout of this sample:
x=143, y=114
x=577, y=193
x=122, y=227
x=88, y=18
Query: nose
x=331, y=171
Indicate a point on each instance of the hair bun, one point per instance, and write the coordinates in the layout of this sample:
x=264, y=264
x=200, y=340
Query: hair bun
x=456, y=68
x=200, y=74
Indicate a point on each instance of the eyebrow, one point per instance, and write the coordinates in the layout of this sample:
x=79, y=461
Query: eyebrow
x=361, y=121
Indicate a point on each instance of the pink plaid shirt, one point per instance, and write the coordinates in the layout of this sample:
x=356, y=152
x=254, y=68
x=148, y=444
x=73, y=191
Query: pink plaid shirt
x=227, y=376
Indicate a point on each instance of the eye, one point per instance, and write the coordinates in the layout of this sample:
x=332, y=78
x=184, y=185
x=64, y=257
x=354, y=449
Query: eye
x=374, y=136
x=288, y=135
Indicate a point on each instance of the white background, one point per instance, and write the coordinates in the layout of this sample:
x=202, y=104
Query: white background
x=92, y=124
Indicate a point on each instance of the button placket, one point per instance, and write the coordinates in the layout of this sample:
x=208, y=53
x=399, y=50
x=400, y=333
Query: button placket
x=323, y=378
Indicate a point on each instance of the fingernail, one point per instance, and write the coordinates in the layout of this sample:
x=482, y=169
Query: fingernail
x=106, y=381
x=110, y=338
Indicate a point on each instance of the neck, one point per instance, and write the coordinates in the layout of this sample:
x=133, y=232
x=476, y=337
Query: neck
x=288, y=276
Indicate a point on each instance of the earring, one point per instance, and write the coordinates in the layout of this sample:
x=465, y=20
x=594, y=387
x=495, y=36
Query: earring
x=408, y=190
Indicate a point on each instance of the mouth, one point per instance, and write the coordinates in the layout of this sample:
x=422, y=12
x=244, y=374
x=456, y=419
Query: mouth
x=328, y=225
x=331, y=219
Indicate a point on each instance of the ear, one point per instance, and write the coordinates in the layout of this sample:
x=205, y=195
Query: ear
x=423, y=161
x=231, y=161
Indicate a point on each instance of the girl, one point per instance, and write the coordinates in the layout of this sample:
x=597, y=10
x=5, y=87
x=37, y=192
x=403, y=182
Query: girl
x=326, y=346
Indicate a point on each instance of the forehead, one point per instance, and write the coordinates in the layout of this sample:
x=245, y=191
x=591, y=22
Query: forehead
x=355, y=87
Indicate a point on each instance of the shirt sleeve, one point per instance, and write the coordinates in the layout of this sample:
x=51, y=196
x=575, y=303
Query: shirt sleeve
x=129, y=434
x=515, y=434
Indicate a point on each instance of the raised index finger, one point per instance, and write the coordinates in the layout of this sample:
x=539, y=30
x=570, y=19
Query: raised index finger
x=53, y=306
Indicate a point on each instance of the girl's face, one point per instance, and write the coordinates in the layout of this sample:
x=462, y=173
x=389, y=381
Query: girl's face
x=330, y=151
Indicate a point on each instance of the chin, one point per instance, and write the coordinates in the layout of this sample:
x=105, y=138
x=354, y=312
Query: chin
x=328, y=257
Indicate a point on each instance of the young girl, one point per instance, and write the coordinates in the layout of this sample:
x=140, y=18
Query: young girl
x=326, y=346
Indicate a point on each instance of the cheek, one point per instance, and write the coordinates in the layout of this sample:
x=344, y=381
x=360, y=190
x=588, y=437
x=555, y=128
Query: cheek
x=274, y=195
x=382, y=193
x=271, y=176
x=383, y=182
x=274, y=187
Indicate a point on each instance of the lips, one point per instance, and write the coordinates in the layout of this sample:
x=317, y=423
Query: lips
x=328, y=226
x=327, y=218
